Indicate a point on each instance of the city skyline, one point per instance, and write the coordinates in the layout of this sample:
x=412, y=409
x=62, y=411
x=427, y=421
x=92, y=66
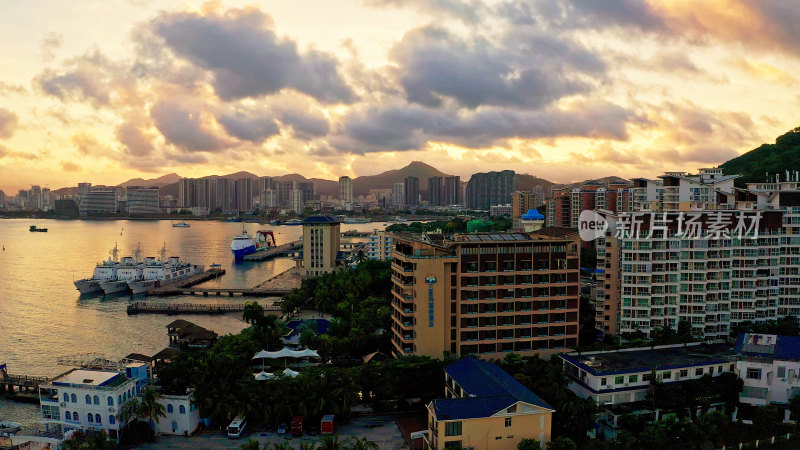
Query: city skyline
x=568, y=92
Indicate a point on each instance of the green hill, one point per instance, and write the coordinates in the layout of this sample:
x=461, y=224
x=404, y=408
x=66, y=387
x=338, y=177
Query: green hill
x=770, y=159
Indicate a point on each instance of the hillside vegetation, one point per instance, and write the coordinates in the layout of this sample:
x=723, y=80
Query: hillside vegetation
x=779, y=157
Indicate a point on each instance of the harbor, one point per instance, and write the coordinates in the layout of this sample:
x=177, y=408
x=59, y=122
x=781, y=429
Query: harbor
x=171, y=309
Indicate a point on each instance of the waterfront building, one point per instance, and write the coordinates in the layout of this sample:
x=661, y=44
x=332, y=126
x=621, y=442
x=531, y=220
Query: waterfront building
x=83, y=189
x=89, y=399
x=269, y=199
x=485, y=408
x=379, y=245
x=452, y=195
x=398, y=195
x=530, y=221
x=296, y=201
x=713, y=281
x=411, y=191
x=491, y=188
x=769, y=365
x=245, y=194
x=345, y=189
x=182, y=415
x=615, y=377
x=187, y=335
x=321, y=240
x=435, y=191
x=140, y=200
x=485, y=294
x=98, y=201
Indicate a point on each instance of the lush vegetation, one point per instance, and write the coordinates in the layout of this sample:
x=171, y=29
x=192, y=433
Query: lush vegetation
x=454, y=225
x=785, y=326
x=768, y=159
x=82, y=440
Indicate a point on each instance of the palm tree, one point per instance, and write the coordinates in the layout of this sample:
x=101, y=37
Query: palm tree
x=150, y=407
x=330, y=442
x=251, y=444
x=306, y=445
x=252, y=312
x=283, y=445
x=361, y=443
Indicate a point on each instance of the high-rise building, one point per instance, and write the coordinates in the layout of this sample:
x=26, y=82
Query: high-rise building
x=269, y=199
x=522, y=202
x=245, y=193
x=186, y=193
x=283, y=189
x=704, y=273
x=451, y=195
x=141, y=200
x=379, y=245
x=398, y=195
x=485, y=294
x=435, y=191
x=411, y=193
x=345, y=189
x=321, y=240
x=265, y=183
x=488, y=189
x=296, y=200
x=97, y=202
x=83, y=188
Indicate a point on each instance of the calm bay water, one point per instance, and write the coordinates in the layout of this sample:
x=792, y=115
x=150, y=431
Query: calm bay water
x=42, y=315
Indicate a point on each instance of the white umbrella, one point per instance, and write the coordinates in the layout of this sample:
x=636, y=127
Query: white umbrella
x=263, y=376
x=290, y=373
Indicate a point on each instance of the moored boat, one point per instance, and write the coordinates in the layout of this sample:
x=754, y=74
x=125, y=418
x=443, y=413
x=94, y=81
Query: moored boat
x=104, y=271
x=163, y=270
x=243, y=245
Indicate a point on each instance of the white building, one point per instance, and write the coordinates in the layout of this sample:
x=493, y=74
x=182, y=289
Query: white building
x=90, y=399
x=379, y=245
x=398, y=195
x=769, y=365
x=183, y=416
x=623, y=376
x=142, y=200
x=98, y=202
x=500, y=210
x=345, y=189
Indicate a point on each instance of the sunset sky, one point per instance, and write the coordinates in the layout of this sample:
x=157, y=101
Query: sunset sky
x=107, y=90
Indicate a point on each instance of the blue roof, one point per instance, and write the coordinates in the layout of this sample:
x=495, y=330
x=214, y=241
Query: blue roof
x=532, y=214
x=319, y=220
x=755, y=344
x=489, y=388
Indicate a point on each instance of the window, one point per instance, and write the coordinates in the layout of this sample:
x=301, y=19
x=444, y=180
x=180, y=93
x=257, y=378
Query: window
x=112, y=420
x=96, y=400
x=633, y=378
x=97, y=418
x=169, y=408
x=91, y=418
x=452, y=444
x=88, y=399
x=647, y=376
x=452, y=429
x=603, y=381
x=684, y=373
x=781, y=372
x=68, y=415
x=74, y=398
x=698, y=372
x=619, y=380
x=182, y=409
x=66, y=397
x=666, y=375
x=119, y=399
x=753, y=374
x=110, y=401
x=508, y=422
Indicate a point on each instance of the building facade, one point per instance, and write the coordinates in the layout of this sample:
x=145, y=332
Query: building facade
x=485, y=408
x=321, y=241
x=182, y=415
x=142, y=200
x=345, y=189
x=436, y=191
x=379, y=245
x=522, y=202
x=97, y=202
x=488, y=189
x=451, y=195
x=485, y=294
x=769, y=365
x=398, y=195
x=411, y=191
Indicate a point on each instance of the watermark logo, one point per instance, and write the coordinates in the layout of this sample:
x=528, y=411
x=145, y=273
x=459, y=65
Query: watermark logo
x=591, y=225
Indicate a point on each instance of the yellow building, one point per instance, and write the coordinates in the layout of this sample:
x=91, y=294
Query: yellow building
x=485, y=294
x=321, y=240
x=485, y=408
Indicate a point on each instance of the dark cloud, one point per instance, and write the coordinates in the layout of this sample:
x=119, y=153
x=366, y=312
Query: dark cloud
x=469, y=11
x=247, y=58
x=183, y=123
x=249, y=124
x=305, y=124
x=88, y=77
x=136, y=139
x=601, y=14
x=409, y=127
x=8, y=123
x=434, y=64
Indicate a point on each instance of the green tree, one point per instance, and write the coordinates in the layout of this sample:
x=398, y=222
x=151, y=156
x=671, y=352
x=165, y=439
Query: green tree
x=81, y=440
x=794, y=407
x=330, y=442
x=150, y=407
x=562, y=443
x=360, y=443
x=251, y=444
x=685, y=331
x=253, y=312
x=282, y=445
x=306, y=445
x=529, y=444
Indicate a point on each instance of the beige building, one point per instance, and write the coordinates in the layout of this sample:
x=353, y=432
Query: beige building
x=485, y=408
x=321, y=239
x=485, y=294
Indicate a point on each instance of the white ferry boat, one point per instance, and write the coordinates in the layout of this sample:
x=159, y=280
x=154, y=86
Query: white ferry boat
x=156, y=271
x=104, y=271
x=129, y=269
x=181, y=225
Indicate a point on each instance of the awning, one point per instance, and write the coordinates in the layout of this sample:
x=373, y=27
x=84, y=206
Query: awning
x=287, y=353
x=419, y=434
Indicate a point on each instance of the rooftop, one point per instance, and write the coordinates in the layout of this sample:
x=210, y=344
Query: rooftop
x=90, y=378
x=490, y=390
x=313, y=220
x=638, y=360
x=769, y=346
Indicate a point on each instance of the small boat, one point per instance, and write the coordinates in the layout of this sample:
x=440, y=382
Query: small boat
x=39, y=230
x=293, y=222
x=180, y=225
x=243, y=245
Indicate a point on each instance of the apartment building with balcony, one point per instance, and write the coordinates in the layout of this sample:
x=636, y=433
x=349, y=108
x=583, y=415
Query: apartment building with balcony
x=715, y=281
x=485, y=294
x=769, y=365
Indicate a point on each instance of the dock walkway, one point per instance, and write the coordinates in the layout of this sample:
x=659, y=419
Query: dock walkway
x=143, y=307
x=272, y=252
x=17, y=383
x=189, y=281
x=276, y=286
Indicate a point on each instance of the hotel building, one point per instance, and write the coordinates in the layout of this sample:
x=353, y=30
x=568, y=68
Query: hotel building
x=485, y=294
x=321, y=240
